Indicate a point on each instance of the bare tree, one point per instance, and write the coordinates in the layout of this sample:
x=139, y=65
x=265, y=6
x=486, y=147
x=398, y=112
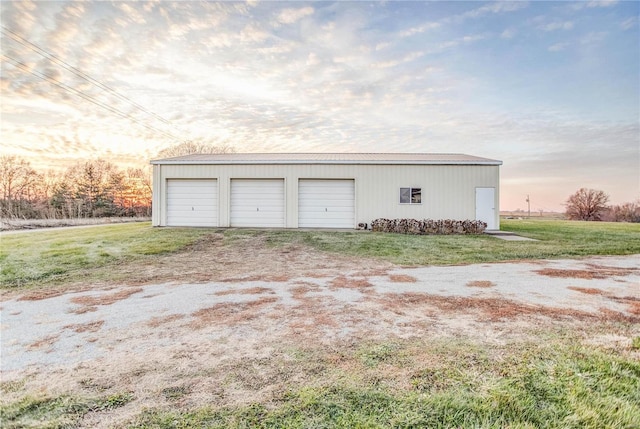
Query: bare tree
x=137, y=192
x=88, y=189
x=17, y=182
x=627, y=212
x=191, y=147
x=586, y=204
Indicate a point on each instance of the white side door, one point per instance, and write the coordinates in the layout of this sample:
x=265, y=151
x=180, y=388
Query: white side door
x=486, y=207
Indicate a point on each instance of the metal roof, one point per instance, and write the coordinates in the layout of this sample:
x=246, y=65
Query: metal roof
x=329, y=158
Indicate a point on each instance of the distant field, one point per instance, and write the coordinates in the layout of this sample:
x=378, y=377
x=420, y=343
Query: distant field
x=534, y=215
x=46, y=258
x=28, y=224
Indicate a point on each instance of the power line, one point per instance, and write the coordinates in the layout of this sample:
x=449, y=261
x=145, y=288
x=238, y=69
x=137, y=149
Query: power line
x=85, y=96
x=16, y=37
x=21, y=40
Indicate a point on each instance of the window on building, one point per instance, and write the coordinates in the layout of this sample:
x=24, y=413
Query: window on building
x=410, y=195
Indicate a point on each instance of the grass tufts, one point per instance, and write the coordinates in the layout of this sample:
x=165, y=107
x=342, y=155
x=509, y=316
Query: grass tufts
x=57, y=412
x=537, y=386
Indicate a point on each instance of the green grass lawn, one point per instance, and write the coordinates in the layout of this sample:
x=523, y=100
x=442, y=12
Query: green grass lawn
x=44, y=257
x=557, y=239
x=49, y=257
x=549, y=381
x=537, y=387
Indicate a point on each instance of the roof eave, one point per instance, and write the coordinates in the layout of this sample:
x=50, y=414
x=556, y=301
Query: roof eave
x=307, y=162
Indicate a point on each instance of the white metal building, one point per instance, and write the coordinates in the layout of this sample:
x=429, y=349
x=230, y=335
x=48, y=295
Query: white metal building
x=322, y=190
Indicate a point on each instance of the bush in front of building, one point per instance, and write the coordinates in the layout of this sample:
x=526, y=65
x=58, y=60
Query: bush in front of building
x=428, y=226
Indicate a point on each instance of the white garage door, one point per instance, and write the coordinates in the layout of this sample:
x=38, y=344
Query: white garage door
x=257, y=203
x=192, y=203
x=326, y=204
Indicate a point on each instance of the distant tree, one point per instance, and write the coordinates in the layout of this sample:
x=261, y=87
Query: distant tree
x=190, y=147
x=586, y=204
x=91, y=189
x=627, y=212
x=136, y=196
x=18, y=183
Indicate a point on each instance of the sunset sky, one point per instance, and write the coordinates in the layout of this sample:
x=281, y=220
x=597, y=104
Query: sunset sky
x=550, y=88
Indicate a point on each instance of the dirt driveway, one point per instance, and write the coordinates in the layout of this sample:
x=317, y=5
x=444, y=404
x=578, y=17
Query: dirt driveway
x=147, y=336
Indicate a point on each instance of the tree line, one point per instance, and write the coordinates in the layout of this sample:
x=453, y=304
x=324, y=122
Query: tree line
x=87, y=189
x=95, y=188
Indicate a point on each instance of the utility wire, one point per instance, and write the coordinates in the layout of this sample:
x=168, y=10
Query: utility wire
x=85, y=96
x=16, y=37
x=21, y=40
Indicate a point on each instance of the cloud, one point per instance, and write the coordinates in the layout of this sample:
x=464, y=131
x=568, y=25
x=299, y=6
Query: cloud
x=558, y=47
x=593, y=4
x=495, y=7
x=601, y=3
x=557, y=25
x=290, y=16
x=508, y=33
x=412, y=56
x=594, y=37
x=629, y=23
x=420, y=29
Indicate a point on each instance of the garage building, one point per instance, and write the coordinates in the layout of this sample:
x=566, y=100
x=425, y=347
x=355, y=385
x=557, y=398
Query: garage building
x=322, y=190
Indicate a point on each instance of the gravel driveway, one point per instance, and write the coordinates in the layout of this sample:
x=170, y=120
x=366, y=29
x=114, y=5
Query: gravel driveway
x=90, y=328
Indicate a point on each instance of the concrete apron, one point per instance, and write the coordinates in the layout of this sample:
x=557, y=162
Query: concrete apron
x=508, y=236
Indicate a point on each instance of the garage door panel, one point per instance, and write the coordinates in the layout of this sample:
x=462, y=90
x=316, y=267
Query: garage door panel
x=192, y=202
x=257, y=203
x=326, y=203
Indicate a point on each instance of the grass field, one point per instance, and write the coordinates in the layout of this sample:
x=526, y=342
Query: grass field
x=45, y=258
x=550, y=381
x=525, y=372
x=67, y=255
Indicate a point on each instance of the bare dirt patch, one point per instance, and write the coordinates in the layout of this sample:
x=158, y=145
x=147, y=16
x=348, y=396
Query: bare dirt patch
x=491, y=309
x=481, y=283
x=402, y=278
x=244, y=259
x=47, y=341
x=596, y=272
x=302, y=289
x=632, y=303
x=250, y=291
x=258, y=278
x=344, y=282
x=41, y=294
x=156, y=321
x=230, y=312
x=587, y=290
x=91, y=301
x=86, y=327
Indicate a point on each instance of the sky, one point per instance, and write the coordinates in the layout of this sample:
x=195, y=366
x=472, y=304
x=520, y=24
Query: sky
x=550, y=88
